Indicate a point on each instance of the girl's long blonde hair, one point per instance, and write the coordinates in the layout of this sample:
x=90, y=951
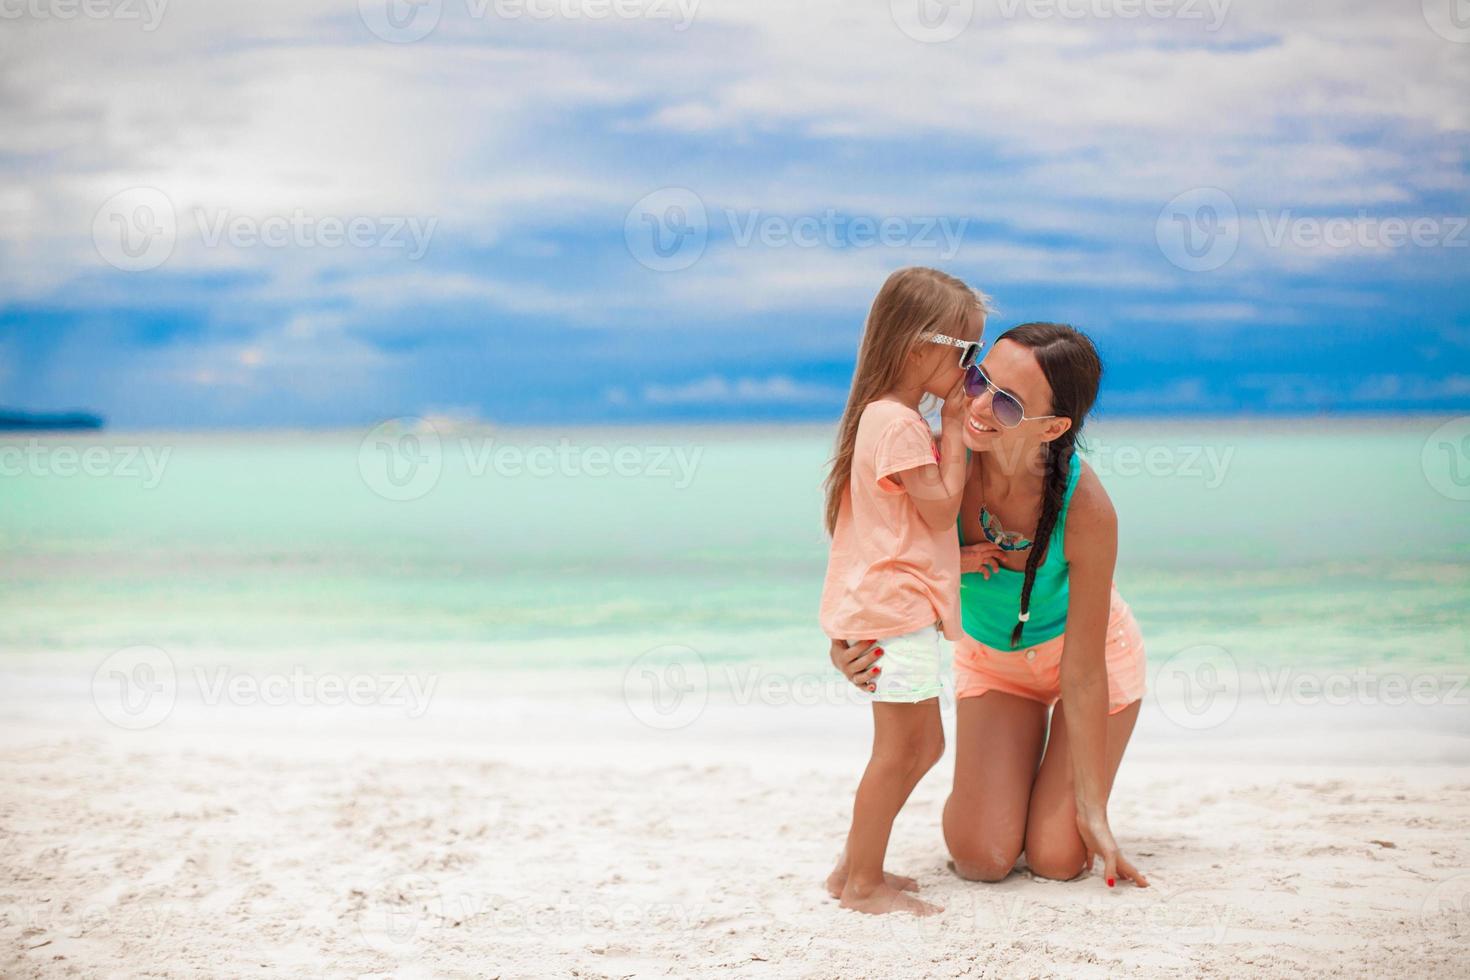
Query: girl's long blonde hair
x=912, y=304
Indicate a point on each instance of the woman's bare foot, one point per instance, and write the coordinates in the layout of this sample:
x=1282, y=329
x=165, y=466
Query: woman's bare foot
x=885, y=898
x=837, y=880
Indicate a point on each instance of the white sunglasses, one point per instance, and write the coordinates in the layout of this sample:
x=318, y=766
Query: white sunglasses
x=971, y=348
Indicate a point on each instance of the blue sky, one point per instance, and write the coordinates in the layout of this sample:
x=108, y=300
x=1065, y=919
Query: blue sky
x=1253, y=209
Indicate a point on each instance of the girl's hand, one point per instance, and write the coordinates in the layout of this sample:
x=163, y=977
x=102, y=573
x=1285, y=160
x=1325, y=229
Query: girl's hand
x=1098, y=839
x=857, y=661
x=983, y=558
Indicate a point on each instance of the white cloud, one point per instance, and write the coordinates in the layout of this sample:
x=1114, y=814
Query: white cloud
x=518, y=129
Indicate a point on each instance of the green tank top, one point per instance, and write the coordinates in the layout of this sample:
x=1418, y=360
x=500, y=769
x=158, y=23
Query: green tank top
x=989, y=607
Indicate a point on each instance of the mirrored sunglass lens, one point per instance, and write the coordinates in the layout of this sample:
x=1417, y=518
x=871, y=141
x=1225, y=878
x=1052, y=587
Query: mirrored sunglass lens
x=974, y=382
x=1007, y=410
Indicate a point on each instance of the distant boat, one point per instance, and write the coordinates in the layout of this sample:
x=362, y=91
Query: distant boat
x=11, y=421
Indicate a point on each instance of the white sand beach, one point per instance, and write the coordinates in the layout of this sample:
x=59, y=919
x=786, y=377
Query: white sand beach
x=514, y=831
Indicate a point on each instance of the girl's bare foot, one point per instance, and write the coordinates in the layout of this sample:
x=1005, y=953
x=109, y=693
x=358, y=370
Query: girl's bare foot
x=885, y=898
x=837, y=880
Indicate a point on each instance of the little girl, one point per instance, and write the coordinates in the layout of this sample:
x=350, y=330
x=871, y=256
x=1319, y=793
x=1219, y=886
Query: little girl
x=893, y=572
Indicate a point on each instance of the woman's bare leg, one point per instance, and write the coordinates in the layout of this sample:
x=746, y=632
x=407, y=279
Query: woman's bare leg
x=1054, y=849
x=998, y=745
x=908, y=739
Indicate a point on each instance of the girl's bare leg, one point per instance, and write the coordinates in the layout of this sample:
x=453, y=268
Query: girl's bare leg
x=908, y=739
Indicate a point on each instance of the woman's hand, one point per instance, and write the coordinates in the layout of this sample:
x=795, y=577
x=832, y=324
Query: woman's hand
x=1097, y=837
x=857, y=661
x=983, y=558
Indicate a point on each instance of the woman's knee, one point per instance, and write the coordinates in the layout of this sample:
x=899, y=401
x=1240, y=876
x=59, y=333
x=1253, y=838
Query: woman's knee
x=979, y=857
x=1059, y=860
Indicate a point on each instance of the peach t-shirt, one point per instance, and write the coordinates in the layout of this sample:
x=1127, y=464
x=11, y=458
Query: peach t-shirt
x=888, y=573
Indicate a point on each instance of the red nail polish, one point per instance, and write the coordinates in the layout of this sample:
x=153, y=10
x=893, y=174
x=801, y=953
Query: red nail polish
x=878, y=652
x=877, y=670
x=1111, y=882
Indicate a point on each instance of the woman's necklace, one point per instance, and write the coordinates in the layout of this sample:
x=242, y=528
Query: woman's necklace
x=997, y=535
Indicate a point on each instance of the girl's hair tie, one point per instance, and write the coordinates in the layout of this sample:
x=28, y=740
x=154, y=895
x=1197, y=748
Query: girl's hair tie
x=1025, y=617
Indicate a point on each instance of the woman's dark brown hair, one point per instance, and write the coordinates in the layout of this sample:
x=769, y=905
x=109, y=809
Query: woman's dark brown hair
x=1072, y=368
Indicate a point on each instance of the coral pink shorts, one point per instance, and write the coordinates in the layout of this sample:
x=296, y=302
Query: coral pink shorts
x=1035, y=672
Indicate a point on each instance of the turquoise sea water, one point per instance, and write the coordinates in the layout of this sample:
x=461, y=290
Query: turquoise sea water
x=1314, y=541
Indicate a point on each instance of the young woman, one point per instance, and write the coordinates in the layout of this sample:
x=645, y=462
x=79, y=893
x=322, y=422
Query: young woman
x=894, y=569
x=1044, y=625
